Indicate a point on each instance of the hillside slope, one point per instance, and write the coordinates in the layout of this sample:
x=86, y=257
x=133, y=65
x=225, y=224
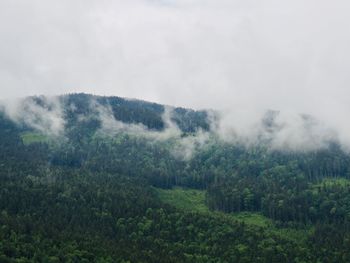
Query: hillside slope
x=96, y=179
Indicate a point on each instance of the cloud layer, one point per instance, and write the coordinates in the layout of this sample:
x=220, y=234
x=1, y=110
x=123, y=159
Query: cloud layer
x=242, y=57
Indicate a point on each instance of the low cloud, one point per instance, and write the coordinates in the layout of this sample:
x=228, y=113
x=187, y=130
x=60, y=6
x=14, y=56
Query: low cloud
x=183, y=146
x=277, y=130
x=43, y=114
x=240, y=57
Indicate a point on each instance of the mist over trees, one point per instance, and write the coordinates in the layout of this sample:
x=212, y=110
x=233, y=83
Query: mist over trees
x=79, y=176
x=230, y=141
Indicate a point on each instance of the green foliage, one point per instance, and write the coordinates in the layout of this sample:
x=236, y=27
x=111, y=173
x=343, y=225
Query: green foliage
x=331, y=182
x=185, y=199
x=194, y=200
x=90, y=197
x=33, y=137
x=255, y=219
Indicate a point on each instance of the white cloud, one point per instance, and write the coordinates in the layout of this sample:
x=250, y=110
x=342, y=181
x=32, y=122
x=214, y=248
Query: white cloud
x=239, y=56
x=41, y=113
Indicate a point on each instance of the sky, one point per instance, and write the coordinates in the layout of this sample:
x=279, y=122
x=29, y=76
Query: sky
x=238, y=56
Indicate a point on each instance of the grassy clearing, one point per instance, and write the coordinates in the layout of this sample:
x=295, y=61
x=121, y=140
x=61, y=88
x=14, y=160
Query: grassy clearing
x=194, y=200
x=251, y=218
x=334, y=181
x=186, y=199
x=294, y=234
x=32, y=137
x=329, y=183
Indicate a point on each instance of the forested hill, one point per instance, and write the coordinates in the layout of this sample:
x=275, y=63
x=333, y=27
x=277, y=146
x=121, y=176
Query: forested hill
x=133, y=112
x=104, y=179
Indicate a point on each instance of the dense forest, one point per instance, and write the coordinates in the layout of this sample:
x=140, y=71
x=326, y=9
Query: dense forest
x=91, y=192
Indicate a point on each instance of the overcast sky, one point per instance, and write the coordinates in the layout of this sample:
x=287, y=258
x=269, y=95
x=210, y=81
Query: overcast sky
x=288, y=55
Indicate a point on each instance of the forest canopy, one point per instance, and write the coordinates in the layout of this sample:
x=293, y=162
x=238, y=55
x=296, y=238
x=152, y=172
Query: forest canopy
x=104, y=179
